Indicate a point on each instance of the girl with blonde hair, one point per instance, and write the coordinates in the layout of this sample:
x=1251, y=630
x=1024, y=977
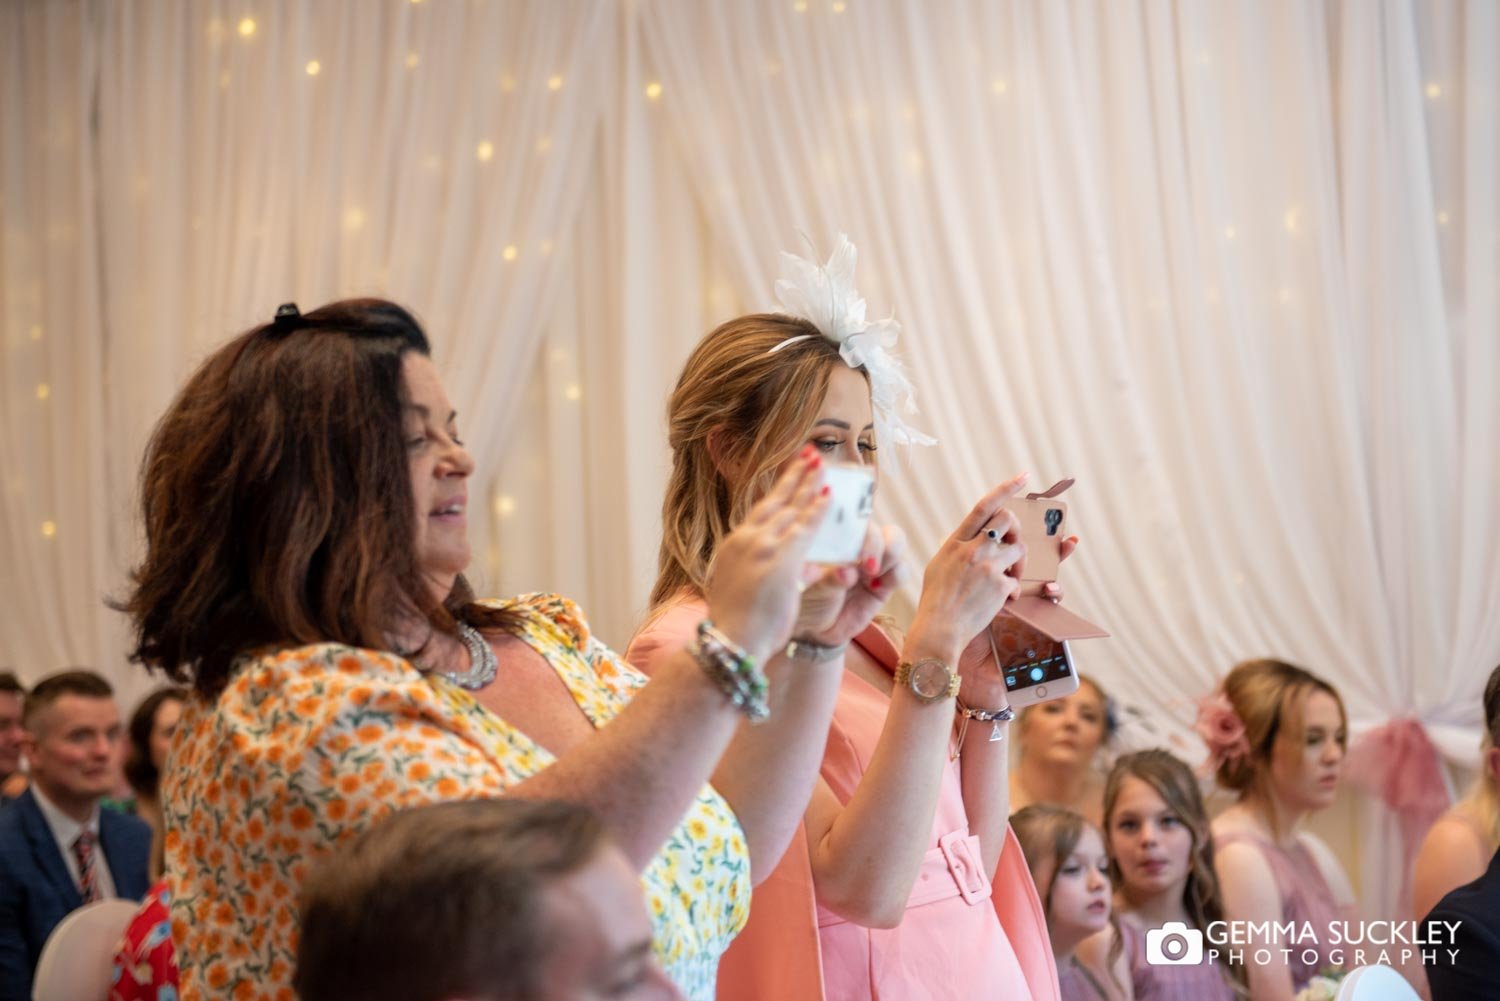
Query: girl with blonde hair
x=1161, y=860
x=1058, y=742
x=1277, y=735
x=887, y=889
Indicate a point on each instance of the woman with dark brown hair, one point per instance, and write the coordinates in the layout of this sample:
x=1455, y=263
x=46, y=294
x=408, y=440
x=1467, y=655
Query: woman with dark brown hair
x=152, y=727
x=304, y=501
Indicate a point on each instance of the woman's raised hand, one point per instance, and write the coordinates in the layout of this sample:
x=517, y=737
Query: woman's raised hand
x=753, y=593
x=969, y=579
x=842, y=601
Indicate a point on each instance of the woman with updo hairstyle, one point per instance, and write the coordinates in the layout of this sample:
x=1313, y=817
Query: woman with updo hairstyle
x=305, y=500
x=1058, y=744
x=1276, y=735
x=1459, y=847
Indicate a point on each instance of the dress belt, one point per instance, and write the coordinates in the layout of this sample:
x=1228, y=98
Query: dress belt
x=953, y=869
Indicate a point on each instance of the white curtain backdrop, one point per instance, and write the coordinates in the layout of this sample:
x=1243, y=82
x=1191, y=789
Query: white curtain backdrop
x=1234, y=266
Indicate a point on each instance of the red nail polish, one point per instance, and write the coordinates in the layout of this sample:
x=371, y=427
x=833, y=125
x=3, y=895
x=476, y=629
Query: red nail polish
x=871, y=565
x=875, y=581
x=807, y=451
x=816, y=461
x=823, y=492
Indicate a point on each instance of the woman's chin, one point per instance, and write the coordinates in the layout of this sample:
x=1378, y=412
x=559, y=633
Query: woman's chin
x=441, y=580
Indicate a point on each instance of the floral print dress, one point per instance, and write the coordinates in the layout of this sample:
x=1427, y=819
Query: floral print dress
x=309, y=746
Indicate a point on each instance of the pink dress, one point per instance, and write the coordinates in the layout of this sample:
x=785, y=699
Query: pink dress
x=1305, y=897
x=956, y=941
x=1074, y=983
x=1203, y=981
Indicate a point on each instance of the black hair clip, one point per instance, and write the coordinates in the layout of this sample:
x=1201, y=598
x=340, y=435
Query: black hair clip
x=288, y=318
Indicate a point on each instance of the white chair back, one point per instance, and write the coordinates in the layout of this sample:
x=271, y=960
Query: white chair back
x=1375, y=983
x=78, y=959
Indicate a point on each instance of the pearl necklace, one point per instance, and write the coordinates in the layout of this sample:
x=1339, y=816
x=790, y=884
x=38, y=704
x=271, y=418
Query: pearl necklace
x=482, y=662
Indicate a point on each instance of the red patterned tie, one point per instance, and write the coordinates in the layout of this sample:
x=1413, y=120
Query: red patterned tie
x=88, y=880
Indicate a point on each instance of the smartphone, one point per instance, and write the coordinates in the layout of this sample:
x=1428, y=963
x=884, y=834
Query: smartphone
x=1042, y=530
x=1036, y=667
x=851, y=499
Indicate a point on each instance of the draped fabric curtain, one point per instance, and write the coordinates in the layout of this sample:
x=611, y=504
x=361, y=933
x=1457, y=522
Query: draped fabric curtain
x=1233, y=266
x=1217, y=261
x=182, y=168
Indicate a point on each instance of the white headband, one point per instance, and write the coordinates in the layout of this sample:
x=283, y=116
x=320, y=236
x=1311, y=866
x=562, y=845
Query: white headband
x=824, y=295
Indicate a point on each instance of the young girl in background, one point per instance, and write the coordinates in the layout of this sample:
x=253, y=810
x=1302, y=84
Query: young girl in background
x=1071, y=870
x=1162, y=864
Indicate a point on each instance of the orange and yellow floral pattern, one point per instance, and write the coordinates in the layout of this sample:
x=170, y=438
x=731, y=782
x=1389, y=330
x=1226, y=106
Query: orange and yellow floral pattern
x=307, y=747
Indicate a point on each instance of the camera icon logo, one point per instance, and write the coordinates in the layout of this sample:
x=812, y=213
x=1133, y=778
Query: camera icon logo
x=1174, y=944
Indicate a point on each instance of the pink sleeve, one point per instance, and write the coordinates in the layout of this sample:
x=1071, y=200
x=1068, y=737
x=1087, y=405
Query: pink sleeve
x=667, y=632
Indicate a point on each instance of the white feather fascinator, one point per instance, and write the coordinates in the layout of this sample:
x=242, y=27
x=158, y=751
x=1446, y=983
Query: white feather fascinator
x=824, y=295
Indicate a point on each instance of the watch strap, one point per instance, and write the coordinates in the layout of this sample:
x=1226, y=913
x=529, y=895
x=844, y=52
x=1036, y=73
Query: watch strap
x=816, y=653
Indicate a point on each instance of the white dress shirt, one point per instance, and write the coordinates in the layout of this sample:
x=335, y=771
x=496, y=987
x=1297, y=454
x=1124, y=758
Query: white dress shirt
x=65, y=831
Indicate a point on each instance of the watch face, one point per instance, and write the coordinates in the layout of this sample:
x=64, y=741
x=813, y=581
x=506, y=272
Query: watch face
x=930, y=678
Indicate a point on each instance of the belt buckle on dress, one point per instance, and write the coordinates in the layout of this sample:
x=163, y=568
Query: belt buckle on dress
x=961, y=850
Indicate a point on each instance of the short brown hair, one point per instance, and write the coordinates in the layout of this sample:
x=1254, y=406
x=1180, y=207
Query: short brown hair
x=761, y=405
x=276, y=501
x=1267, y=695
x=440, y=902
x=11, y=685
x=76, y=681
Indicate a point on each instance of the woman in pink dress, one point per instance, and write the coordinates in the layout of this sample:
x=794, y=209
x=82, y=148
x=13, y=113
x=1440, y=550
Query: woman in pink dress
x=1277, y=734
x=886, y=892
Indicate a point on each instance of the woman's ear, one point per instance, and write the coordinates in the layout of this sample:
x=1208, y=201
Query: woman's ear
x=722, y=455
x=1492, y=762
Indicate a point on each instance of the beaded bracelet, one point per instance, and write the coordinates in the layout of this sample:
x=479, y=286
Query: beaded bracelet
x=733, y=670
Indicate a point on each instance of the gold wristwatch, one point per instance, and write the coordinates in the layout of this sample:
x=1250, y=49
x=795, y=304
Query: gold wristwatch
x=929, y=680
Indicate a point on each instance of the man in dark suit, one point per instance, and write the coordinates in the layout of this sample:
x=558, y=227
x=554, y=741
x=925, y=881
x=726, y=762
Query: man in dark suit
x=58, y=849
x=1473, y=911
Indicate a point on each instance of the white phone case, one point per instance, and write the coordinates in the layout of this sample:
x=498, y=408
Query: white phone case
x=851, y=498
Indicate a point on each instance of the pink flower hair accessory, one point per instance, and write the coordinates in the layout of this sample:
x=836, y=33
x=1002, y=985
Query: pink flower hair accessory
x=1222, y=730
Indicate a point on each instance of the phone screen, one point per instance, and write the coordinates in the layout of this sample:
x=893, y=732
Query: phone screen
x=1038, y=666
x=1026, y=656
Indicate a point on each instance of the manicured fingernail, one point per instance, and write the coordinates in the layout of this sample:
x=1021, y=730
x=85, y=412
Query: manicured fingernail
x=824, y=491
x=871, y=565
x=1073, y=539
x=875, y=581
x=807, y=451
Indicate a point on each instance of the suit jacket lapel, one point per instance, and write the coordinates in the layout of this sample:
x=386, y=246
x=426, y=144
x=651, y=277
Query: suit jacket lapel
x=45, y=851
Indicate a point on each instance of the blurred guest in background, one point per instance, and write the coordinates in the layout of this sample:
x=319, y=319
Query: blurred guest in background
x=58, y=849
